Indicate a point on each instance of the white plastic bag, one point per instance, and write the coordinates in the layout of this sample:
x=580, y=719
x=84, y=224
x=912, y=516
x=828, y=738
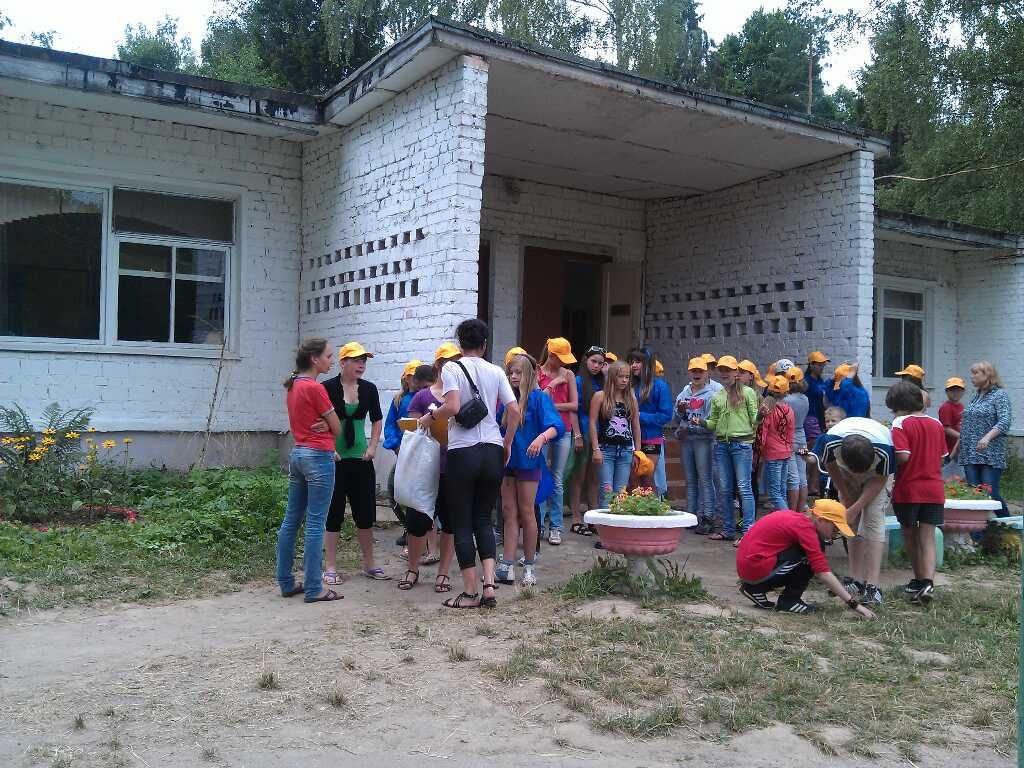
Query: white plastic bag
x=418, y=471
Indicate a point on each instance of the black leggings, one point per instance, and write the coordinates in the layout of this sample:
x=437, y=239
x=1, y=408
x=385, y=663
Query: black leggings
x=471, y=481
x=355, y=481
x=792, y=573
x=419, y=524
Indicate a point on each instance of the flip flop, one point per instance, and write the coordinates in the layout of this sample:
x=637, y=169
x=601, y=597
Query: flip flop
x=298, y=589
x=331, y=596
x=580, y=529
x=377, y=574
x=332, y=578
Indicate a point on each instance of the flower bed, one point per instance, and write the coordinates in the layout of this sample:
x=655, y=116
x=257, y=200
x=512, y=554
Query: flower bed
x=639, y=524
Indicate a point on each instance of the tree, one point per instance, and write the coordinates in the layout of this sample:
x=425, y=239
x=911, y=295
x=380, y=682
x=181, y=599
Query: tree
x=157, y=49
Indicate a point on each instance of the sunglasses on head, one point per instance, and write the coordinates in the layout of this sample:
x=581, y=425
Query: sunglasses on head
x=595, y=351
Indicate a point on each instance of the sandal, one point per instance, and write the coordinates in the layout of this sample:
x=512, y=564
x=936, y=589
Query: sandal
x=430, y=558
x=407, y=584
x=442, y=583
x=332, y=578
x=298, y=589
x=489, y=602
x=721, y=537
x=328, y=597
x=581, y=529
x=461, y=600
x=377, y=574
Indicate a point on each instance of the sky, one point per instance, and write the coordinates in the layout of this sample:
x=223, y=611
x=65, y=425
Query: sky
x=95, y=29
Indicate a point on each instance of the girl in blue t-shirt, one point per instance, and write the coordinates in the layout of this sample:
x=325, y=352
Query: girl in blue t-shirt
x=393, y=434
x=540, y=425
x=584, y=474
x=654, y=401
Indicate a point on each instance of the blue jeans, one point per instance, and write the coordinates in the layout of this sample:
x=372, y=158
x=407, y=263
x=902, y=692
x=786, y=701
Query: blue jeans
x=776, y=473
x=735, y=462
x=558, y=457
x=660, y=478
x=976, y=474
x=615, y=468
x=700, y=481
x=310, y=486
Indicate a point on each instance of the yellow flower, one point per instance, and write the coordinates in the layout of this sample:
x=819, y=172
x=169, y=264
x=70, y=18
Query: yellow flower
x=91, y=429
x=109, y=443
x=6, y=441
x=127, y=441
x=35, y=456
x=49, y=441
x=71, y=435
x=49, y=431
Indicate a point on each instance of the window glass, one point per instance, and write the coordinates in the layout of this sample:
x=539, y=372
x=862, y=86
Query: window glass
x=198, y=312
x=196, y=261
x=152, y=213
x=913, y=342
x=892, y=346
x=144, y=308
x=904, y=300
x=50, y=258
x=146, y=258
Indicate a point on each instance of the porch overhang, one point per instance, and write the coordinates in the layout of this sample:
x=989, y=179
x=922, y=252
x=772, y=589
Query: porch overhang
x=945, y=235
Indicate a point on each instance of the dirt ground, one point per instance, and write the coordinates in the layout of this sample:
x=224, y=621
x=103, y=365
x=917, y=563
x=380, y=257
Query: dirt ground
x=177, y=684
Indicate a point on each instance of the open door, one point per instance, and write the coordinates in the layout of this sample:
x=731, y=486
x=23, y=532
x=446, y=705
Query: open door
x=622, y=291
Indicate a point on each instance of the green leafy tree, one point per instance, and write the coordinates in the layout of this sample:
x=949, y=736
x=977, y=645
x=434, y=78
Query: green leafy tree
x=230, y=53
x=160, y=48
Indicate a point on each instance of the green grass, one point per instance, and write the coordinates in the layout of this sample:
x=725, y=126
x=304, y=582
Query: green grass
x=197, y=533
x=718, y=676
x=1011, y=484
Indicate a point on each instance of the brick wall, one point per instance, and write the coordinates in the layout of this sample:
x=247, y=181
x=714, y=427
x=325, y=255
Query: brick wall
x=516, y=213
x=391, y=210
x=152, y=392
x=769, y=269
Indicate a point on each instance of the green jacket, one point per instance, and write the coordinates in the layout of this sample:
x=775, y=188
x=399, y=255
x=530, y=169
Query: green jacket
x=730, y=423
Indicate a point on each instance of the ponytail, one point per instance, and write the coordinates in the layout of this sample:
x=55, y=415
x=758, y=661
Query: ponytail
x=304, y=355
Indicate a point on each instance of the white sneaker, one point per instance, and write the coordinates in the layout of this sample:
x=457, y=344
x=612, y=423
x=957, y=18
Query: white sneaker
x=529, y=577
x=555, y=537
x=505, y=573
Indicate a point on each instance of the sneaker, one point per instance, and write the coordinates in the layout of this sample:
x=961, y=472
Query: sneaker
x=499, y=537
x=871, y=596
x=555, y=537
x=794, y=606
x=529, y=577
x=852, y=585
x=913, y=586
x=505, y=573
x=924, y=595
x=758, y=598
x=522, y=559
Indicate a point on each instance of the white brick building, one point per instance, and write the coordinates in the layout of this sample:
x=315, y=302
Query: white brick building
x=156, y=229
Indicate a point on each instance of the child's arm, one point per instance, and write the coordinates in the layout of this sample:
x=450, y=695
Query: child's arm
x=636, y=431
x=595, y=414
x=392, y=434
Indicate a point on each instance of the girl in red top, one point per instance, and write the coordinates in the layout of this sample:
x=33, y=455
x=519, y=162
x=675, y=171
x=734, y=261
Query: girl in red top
x=918, y=495
x=775, y=439
x=559, y=383
x=310, y=471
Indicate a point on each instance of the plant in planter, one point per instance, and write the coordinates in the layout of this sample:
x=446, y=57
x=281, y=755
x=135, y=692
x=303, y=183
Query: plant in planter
x=639, y=501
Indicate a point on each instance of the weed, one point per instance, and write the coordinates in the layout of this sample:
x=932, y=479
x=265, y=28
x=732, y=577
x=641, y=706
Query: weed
x=981, y=717
x=526, y=593
x=348, y=663
x=61, y=761
x=457, y=652
x=486, y=630
x=336, y=698
x=599, y=581
x=109, y=712
x=517, y=667
x=79, y=722
x=209, y=754
x=268, y=680
x=409, y=659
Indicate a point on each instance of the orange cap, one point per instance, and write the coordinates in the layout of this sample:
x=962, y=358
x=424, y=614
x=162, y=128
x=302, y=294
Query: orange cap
x=708, y=358
x=727, y=361
x=611, y=357
x=644, y=465
x=410, y=368
x=561, y=349
x=842, y=371
x=955, y=382
x=659, y=369
x=795, y=374
x=835, y=513
x=448, y=350
x=512, y=353
x=912, y=370
x=750, y=367
x=351, y=350
x=778, y=385
x=697, y=364
x=817, y=357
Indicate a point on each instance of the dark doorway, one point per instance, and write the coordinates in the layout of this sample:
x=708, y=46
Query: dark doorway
x=483, y=283
x=561, y=297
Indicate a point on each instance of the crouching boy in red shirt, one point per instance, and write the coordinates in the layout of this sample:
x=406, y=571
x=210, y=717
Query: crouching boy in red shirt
x=784, y=549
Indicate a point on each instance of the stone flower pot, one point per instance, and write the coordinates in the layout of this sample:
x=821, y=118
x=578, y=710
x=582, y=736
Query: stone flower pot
x=640, y=535
x=969, y=515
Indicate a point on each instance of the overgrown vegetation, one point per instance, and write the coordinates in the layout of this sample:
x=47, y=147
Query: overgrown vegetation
x=668, y=581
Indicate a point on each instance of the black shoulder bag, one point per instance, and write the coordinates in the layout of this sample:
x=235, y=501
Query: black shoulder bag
x=472, y=413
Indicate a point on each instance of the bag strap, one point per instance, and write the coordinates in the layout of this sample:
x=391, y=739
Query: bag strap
x=472, y=386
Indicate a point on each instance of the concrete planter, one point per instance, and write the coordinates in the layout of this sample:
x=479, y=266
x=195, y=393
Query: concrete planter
x=969, y=515
x=640, y=535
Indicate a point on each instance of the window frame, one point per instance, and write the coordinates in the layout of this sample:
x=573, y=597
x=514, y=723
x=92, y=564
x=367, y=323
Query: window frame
x=14, y=171
x=922, y=287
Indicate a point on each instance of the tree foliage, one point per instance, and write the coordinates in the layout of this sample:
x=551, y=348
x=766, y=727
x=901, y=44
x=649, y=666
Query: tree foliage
x=946, y=84
x=159, y=48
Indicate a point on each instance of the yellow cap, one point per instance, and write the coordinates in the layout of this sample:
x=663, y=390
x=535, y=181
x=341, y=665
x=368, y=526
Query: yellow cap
x=778, y=385
x=955, y=382
x=351, y=350
x=709, y=358
x=410, y=367
x=771, y=370
x=817, y=357
x=561, y=349
x=727, y=361
x=659, y=369
x=697, y=364
x=912, y=370
x=835, y=513
x=842, y=371
x=512, y=353
x=643, y=463
x=447, y=351
x=795, y=374
x=750, y=367
x=611, y=357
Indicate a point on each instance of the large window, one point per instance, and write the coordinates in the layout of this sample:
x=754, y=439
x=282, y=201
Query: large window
x=159, y=277
x=900, y=327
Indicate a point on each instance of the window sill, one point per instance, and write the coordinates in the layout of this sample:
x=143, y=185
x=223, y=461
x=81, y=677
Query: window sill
x=79, y=347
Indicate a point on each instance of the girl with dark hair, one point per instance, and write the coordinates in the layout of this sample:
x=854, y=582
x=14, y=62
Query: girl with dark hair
x=355, y=480
x=477, y=456
x=555, y=378
x=655, y=405
x=310, y=471
x=585, y=476
x=849, y=393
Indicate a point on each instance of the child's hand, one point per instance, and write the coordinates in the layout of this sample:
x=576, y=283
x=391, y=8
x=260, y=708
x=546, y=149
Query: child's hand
x=535, y=447
x=320, y=425
x=598, y=457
